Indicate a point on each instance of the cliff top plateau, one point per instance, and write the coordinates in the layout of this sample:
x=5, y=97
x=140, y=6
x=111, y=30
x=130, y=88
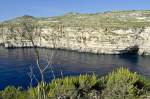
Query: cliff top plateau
x=112, y=20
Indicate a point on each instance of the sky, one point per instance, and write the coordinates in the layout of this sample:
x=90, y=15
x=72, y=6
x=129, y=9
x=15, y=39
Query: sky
x=45, y=8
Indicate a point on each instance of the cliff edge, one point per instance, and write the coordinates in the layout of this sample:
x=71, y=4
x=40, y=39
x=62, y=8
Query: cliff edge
x=117, y=32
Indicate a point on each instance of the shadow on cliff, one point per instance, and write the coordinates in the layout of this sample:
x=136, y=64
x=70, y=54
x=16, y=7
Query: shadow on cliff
x=130, y=50
x=130, y=55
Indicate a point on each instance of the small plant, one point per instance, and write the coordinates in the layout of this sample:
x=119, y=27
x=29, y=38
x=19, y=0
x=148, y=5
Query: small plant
x=79, y=86
x=12, y=93
x=122, y=83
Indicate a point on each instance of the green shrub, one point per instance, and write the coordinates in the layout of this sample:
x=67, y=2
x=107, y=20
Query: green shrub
x=119, y=84
x=122, y=83
x=32, y=93
x=74, y=86
x=12, y=93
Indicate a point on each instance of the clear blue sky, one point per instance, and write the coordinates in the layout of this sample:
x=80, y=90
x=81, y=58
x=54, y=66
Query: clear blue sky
x=12, y=8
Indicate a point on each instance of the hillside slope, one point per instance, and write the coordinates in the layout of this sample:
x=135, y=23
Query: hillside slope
x=114, y=32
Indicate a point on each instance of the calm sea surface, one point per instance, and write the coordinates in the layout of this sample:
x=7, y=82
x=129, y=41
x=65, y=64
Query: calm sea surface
x=15, y=64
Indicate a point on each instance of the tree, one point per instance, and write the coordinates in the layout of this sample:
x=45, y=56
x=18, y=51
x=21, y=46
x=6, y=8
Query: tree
x=32, y=33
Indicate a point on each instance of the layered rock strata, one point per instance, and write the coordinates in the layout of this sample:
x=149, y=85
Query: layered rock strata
x=85, y=39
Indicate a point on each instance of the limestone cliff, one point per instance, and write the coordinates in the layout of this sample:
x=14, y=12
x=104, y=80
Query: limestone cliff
x=102, y=33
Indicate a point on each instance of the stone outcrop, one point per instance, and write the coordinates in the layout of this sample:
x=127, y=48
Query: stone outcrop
x=107, y=33
x=94, y=40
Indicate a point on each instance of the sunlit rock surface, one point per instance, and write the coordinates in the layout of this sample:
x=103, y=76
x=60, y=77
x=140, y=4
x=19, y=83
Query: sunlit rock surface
x=109, y=33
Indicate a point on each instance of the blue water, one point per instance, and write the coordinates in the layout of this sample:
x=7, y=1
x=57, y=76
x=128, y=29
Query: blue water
x=15, y=63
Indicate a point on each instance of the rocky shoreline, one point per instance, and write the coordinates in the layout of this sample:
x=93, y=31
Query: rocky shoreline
x=89, y=40
x=102, y=33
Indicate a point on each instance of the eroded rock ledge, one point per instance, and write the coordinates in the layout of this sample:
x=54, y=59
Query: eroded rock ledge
x=94, y=40
x=102, y=33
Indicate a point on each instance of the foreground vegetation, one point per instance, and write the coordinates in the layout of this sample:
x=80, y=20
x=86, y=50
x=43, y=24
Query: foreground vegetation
x=119, y=84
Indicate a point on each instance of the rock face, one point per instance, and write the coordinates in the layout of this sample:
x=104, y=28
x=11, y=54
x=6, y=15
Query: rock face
x=96, y=39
